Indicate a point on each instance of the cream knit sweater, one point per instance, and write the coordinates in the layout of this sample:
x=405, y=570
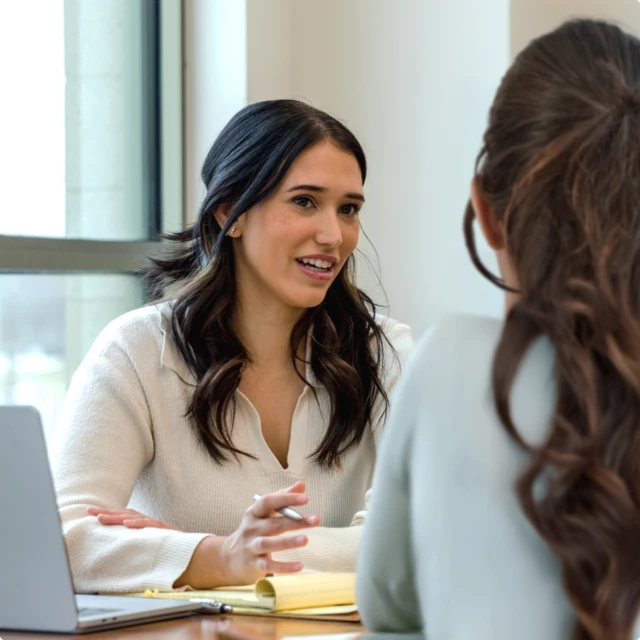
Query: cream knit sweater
x=122, y=439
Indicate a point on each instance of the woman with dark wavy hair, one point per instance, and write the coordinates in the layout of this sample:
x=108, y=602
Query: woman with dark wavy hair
x=506, y=503
x=264, y=370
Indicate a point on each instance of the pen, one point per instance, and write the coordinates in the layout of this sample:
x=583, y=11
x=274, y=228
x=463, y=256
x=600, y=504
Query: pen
x=285, y=511
x=212, y=606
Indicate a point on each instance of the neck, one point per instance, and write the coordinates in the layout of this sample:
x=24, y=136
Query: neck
x=510, y=300
x=509, y=278
x=265, y=331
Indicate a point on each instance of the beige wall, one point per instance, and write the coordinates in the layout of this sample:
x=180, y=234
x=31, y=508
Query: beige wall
x=269, y=49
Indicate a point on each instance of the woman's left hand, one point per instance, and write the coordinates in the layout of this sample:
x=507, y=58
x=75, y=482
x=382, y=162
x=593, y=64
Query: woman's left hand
x=127, y=518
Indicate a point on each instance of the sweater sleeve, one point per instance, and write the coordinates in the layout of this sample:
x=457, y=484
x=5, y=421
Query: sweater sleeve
x=335, y=549
x=102, y=442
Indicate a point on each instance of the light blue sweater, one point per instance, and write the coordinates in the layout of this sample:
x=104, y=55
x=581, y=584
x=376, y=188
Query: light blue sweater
x=446, y=548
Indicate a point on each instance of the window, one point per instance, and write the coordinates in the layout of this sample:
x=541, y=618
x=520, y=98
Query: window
x=92, y=164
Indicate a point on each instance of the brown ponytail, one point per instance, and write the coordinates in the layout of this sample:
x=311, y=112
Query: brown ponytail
x=560, y=167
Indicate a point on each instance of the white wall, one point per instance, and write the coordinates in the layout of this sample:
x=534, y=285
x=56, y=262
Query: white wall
x=215, y=81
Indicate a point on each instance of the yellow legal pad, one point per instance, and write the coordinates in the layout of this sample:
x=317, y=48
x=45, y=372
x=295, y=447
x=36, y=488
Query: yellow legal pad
x=298, y=595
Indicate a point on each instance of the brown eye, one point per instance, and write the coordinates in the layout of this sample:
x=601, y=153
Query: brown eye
x=350, y=209
x=303, y=201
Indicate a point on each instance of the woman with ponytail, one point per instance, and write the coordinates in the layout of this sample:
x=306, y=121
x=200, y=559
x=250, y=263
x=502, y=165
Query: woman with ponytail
x=506, y=502
x=262, y=370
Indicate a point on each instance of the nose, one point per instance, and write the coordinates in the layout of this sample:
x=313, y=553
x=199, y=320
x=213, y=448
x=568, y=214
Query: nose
x=329, y=231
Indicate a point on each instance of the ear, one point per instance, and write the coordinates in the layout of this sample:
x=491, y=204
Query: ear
x=486, y=217
x=222, y=216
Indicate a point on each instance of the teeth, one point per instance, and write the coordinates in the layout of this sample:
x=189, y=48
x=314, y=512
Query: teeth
x=321, y=264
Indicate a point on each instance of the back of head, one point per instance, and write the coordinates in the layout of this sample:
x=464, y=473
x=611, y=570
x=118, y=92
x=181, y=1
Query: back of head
x=560, y=167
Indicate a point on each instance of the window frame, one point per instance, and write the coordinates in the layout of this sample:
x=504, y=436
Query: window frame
x=163, y=132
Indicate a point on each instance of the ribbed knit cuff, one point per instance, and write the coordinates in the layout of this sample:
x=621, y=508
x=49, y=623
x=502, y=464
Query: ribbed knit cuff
x=329, y=549
x=172, y=558
x=290, y=555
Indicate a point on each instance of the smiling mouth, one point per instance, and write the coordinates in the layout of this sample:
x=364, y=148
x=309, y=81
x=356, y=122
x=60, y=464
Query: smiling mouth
x=318, y=266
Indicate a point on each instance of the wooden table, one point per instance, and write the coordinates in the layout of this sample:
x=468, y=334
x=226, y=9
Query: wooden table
x=206, y=627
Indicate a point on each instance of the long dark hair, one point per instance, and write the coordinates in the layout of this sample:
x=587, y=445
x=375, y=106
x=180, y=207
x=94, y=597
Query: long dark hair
x=560, y=166
x=246, y=163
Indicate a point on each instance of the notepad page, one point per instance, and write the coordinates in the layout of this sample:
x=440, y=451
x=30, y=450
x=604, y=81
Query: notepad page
x=236, y=597
x=242, y=596
x=279, y=593
x=341, y=613
x=307, y=590
x=341, y=609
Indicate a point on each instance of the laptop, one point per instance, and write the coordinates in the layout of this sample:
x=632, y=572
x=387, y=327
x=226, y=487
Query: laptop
x=36, y=589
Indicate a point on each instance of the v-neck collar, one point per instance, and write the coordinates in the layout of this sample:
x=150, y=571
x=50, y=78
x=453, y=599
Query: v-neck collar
x=298, y=434
x=171, y=358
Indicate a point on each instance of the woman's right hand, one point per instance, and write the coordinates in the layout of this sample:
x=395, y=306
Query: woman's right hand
x=246, y=555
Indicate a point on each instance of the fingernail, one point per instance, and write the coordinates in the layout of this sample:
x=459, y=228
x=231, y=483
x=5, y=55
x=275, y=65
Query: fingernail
x=300, y=540
x=301, y=499
x=312, y=520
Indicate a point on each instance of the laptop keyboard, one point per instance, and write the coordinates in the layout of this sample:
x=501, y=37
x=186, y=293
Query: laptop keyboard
x=85, y=612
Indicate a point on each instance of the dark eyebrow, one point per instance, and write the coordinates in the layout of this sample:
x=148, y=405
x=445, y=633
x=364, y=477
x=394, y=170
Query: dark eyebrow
x=317, y=189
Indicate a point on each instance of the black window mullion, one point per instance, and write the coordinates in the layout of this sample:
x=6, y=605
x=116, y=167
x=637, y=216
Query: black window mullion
x=152, y=116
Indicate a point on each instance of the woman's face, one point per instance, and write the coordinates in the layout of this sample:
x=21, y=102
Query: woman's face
x=291, y=247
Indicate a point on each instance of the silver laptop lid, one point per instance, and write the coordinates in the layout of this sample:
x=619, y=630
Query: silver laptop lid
x=36, y=591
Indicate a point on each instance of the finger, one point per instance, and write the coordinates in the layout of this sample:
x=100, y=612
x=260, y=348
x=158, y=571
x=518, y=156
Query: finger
x=298, y=487
x=96, y=511
x=268, y=565
x=261, y=546
x=123, y=514
x=265, y=507
x=276, y=526
x=143, y=523
x=105, y=518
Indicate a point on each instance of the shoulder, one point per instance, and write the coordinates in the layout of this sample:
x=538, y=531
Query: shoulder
x=393, y=329
x=399, y=340
x=459, y=339
x=451, y=361
x=135, y=334
x=449, y=381
x=464, y=347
